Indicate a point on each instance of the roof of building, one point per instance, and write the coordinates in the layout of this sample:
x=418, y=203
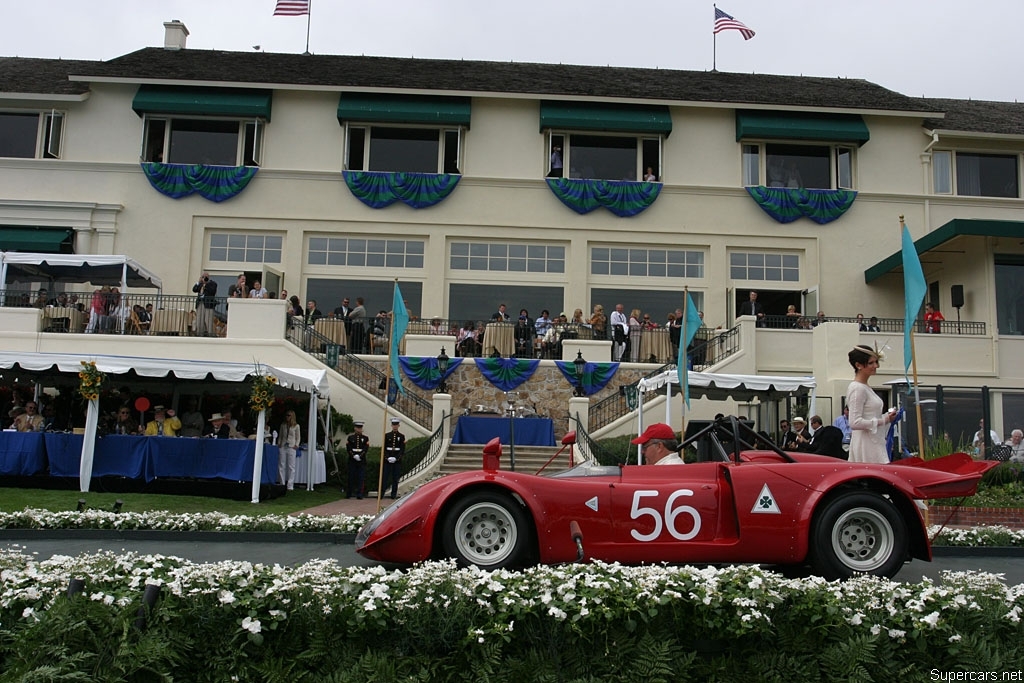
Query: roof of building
x=545, y=80
x=42, y=76
x=979, y=116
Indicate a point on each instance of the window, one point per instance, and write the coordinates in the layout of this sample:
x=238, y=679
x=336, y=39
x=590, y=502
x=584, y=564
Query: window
x=409, y=150
x=245, y=248
x=673, y=263
x=1009, y=277
x=497, y=257
x=604, y=157
x=213, y=142
x=31, y=135
x=362, y=252
x=795, y=166
x=976, y=175
x=767, y=267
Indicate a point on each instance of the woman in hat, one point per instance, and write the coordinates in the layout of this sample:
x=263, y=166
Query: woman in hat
x=867, y=421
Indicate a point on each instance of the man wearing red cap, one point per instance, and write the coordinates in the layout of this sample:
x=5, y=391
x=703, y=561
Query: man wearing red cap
x=659, y=445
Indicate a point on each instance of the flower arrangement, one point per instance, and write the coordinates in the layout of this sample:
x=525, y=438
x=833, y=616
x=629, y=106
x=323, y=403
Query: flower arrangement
x=91, y=380
x=262, y=396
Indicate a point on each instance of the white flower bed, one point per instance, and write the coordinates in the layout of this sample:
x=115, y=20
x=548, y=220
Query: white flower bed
x=165, y=521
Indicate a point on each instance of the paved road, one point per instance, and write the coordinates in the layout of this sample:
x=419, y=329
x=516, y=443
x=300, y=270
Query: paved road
x=293, y=553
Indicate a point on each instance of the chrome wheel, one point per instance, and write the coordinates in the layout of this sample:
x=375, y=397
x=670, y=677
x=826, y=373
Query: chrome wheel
x=862, y=539
x=485, y=534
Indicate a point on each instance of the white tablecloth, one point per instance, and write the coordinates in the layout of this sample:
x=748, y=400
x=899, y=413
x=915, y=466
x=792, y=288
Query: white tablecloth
x=319, y=467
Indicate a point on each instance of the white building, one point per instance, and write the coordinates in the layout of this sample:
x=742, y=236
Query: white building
x=294, y=137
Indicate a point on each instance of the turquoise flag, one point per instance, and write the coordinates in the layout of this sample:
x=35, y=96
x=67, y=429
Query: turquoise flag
x=914, y=289
x=400, y=321
x=693, y=323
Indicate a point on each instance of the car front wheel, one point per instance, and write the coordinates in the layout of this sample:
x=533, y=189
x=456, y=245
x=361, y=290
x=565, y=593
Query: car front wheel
x=858, y=533
x=486, y=529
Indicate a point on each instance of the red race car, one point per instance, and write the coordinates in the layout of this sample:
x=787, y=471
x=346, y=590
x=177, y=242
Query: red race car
x=748, y=502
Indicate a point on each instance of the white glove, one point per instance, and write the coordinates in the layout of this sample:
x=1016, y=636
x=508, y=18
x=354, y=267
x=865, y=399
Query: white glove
x=356, y=458
x=391, y=460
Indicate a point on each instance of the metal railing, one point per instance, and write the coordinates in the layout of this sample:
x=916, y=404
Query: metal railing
x=614, y=406
x=424, y=454
x=885, y=325
x=588, y=445
x=365, y=375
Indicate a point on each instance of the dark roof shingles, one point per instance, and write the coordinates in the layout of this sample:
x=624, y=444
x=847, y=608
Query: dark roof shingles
x=42, y=76
x=979, y=116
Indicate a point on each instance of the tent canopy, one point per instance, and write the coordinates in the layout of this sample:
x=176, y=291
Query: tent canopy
x=740, y=387
x=296, y=379
x=98, y=269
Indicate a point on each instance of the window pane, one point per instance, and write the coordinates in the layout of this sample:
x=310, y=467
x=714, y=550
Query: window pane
x=797, y=166
x=395, y=260
x=236, y=240
x=52, y=125
x=844, y=167
x=357, y=258
x=460, y=248
x=219, y=239
x=375, y=246
x=602, y=157
x=986, y=175
x=374, y=260
x=236, y=255
x=942, y=172
x=599, y=268
x=478, y=263
x=335, y=259
x=638, y=269
x=272, y=256
x=414, y=261
x=1009, y=276
x=556, y=266
x=556, y=253
x=460, y=263
x=751, y=165
x=478, y=249
x=218, y=254
x=18, y=135
x=412, y=150
x=517, y=265
x=204, y=142
x=517, y=250
x=356, y=141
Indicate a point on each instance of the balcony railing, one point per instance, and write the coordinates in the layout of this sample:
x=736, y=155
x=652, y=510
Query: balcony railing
x=885, y=325
x=425, y=453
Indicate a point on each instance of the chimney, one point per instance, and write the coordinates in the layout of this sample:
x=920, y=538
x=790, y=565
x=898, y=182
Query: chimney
x=175, y=34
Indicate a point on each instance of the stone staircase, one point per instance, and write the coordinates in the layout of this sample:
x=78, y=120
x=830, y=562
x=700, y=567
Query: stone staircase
x=529, y=459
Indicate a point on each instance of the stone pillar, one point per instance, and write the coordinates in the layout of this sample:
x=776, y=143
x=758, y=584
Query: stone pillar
x=442, y=407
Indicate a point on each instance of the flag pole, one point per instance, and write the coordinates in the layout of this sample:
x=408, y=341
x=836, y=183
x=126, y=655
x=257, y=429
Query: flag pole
x=387, y=396
x=685, y=357
x=309, y=13
x=917, y=389
x=714, y=43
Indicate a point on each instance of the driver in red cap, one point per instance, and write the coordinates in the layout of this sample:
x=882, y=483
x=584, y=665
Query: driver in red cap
x=659, y=445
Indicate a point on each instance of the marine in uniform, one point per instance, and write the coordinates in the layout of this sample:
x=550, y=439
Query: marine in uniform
x=357, y=446
x=394, y=449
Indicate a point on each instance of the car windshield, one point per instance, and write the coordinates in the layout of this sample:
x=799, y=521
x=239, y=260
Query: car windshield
x=589, y=468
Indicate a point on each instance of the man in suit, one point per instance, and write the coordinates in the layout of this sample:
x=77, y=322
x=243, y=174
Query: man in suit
x=312, y=312
x=501, y=315
x=827, y=440
x=342, y=312
x=357, y=333
x=206, y=299
x=753, y=307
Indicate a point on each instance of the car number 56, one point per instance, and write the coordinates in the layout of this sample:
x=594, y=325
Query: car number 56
x=670, y=520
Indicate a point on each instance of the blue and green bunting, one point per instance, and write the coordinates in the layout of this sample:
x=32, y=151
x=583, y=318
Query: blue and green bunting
x=418, y=190
x=786, y=205
x=424, y=372
x=624, y=198
x=507, y=373
x=216, y=183
x=595, y=375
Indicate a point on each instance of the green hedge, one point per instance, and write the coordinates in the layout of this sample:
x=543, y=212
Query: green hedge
x=596, y=622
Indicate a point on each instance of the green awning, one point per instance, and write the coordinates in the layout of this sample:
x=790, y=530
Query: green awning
x=41, y=240
x=387, y=108
x=971, y=227
x=605, y=116
x=771, y=125
x=184, y=101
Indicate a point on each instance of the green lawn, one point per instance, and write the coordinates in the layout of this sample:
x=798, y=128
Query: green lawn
x=16, y=499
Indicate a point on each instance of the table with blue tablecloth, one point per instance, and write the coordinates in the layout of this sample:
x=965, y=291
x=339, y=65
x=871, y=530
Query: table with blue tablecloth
x=22, y=453
x=529, y=431
x=151, y=457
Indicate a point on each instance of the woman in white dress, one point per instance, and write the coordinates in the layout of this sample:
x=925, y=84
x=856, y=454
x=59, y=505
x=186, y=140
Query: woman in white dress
x=867, y=421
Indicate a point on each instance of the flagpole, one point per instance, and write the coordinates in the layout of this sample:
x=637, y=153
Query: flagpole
x=714, y=43
x=309, y=13
x=917, y=389
x=387, y=396
x=685, y=358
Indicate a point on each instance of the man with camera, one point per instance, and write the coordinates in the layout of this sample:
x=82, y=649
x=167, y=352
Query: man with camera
x=206, y=299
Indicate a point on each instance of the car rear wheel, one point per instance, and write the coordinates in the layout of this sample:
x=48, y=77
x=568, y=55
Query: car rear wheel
x=486, y=529
x=858, y=533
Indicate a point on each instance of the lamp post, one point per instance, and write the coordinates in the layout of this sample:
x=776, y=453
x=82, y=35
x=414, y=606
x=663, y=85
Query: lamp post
x=442, y=367
x=580, y=364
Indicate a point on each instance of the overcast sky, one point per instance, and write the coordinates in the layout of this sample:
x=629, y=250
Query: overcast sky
x=934, y=48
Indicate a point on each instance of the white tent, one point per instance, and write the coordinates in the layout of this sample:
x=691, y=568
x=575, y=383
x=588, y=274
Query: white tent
x=98, y=269
x=722, y=386
x=312, y=382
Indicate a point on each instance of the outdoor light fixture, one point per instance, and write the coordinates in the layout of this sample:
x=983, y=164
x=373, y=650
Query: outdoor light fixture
x=117, y=505
x=81, y=505
x=442, y=367
x=581, y=364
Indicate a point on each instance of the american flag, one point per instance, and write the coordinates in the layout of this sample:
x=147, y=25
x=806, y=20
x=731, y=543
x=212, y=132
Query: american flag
x=291, y=8
x=724, y=22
